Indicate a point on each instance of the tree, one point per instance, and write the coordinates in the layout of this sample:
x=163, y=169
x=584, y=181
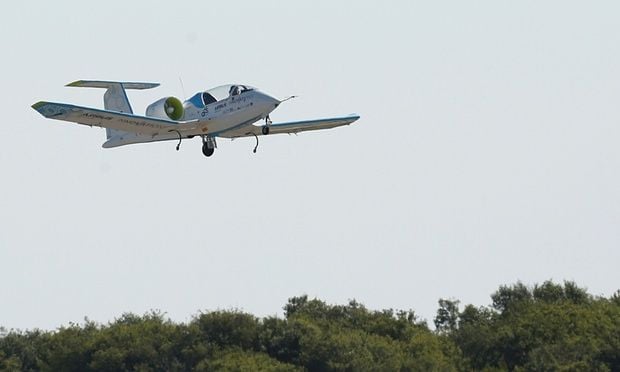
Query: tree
x=544, y=327
x=548, y=327
x=509, y=297
x=229, y=329
x=447, y=316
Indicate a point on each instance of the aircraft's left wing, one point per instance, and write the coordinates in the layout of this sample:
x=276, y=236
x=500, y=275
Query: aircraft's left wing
x=111, y=119
x=290, y=127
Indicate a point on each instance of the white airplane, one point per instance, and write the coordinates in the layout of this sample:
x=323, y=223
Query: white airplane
x=228, y=111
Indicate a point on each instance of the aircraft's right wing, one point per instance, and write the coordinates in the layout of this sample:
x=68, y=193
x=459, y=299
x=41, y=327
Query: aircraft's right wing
x=290, y=127
x=113, y=120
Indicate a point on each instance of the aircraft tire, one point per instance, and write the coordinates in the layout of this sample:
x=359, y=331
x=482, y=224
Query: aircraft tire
x=207, y=151
x=265, y=130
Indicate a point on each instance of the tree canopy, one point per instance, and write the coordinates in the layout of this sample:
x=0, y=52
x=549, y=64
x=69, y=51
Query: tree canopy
x=545, y=327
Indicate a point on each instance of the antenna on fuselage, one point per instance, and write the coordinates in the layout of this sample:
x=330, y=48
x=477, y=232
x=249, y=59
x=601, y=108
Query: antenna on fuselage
x=182, y=89
x=287, y=98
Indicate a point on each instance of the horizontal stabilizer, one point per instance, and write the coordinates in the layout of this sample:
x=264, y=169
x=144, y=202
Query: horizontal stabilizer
x=107, y=84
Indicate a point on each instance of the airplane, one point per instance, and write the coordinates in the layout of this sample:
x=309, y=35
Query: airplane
x=227, y=111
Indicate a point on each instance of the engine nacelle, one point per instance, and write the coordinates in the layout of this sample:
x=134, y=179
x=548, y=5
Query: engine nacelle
x=166, y=108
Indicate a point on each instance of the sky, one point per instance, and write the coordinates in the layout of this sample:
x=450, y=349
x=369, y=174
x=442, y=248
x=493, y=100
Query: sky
x=486, y=153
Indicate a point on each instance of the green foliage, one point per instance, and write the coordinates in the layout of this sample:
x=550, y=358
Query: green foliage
x=447, y=315
x=228, y=329
x=548, y=327
x=352, y=338
x=508, y=298
x=545, y=327
x=281, y=339
x=241, y=361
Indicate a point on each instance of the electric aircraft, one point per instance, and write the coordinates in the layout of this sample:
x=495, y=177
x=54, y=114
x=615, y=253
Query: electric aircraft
x=228, y=111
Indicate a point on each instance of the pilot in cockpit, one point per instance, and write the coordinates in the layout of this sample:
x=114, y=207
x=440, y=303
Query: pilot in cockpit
x=234, y=90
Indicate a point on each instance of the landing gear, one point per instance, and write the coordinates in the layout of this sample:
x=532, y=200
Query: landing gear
x=265, y=128
x=208, y=145
x=207, y=151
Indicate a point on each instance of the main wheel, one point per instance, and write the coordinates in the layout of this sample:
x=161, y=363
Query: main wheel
x=207, y=151
x=265, y=130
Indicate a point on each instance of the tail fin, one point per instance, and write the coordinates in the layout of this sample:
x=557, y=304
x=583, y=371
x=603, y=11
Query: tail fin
x=115, y=98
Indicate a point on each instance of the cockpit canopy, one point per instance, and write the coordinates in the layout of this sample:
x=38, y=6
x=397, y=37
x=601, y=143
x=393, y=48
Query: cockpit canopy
x=218, y=93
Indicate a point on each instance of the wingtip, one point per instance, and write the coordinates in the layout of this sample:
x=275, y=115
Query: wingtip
x=38, y=105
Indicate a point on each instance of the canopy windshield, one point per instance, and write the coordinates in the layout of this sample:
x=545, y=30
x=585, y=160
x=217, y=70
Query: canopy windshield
x=218, y=93
x=225, y=91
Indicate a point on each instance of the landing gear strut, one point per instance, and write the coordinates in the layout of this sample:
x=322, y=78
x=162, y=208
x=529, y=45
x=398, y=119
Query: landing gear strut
x=265, y=128
x=208, y=145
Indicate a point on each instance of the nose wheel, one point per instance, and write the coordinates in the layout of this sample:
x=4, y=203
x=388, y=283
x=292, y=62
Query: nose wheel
x=208, y=146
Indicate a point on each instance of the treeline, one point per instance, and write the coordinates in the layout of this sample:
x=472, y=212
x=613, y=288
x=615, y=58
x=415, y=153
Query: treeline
x=545, y=327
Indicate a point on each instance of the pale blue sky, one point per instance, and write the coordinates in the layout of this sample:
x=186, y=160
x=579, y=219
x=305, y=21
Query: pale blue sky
x=487, y=153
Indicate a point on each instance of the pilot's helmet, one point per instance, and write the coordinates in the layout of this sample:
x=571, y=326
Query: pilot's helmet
x=234, y=90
